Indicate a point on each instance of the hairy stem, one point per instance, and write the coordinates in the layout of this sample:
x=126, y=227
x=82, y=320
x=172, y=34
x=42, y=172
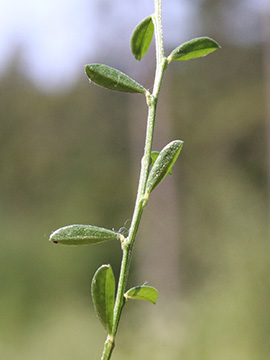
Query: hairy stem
x=127, y=246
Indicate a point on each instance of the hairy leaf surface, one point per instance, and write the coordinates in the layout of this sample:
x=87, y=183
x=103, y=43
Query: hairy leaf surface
x=163, y=164
x=112, y=79
x=83, y=235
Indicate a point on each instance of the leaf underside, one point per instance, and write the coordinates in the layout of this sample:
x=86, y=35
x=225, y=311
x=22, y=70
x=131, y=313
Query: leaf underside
x=82, y=235
x=163, y=164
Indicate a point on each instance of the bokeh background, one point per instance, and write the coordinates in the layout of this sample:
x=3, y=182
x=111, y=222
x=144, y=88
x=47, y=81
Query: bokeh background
x=70, y=153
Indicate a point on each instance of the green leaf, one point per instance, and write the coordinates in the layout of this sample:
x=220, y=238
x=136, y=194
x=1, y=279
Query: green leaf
x=83, y=235
x=112, y=79
x=163, y=164
x=154, y=155
x=148, y=293
x=141, y=37
x=194, y=48
x=103, y=295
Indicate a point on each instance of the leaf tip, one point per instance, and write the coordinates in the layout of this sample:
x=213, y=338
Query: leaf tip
x=51, y=238
x=86, y=69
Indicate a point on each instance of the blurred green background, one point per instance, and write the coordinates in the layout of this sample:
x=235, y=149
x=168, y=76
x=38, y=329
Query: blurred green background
x=71, y=154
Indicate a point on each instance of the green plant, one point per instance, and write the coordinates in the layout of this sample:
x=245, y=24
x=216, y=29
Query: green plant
x=154, y=168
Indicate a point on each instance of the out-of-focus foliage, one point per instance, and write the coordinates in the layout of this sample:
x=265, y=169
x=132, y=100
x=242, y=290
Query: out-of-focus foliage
x=224, y=265
x=65, y=158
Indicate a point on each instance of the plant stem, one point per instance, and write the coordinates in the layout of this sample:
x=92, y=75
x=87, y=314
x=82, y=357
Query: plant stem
x=141, y=201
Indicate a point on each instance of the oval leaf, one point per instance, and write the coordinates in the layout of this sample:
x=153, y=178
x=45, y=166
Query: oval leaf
x=194, y=48
x=148, y=293
x=103, y=295
x=83, y=235
x=163, y=164
x=113, y=79
x=141, y=37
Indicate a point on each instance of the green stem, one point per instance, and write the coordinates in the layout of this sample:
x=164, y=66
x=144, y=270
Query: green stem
x=127, y=246
x=108, y=348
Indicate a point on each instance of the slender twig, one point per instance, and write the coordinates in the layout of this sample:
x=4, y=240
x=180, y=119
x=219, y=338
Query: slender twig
x=141, y=200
